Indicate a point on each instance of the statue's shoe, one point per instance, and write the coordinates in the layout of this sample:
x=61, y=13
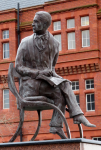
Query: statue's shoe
x=81, y=119
x=59, y=131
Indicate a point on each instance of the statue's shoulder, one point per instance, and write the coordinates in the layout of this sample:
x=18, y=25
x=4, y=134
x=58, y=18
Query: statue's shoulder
x=26, y=39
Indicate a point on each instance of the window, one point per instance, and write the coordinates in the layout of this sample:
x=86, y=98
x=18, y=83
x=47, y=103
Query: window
x=5, y=34
x=90, y=102
x=58, y=38
x=5, y=50
x=5, y=99
x=85, y=21
x=57, y=25
x=71, y=40
x=85, y=38
x=97, y=138
x=75, y=85
x=89, y=84
x=70, y=23
x=77, y=98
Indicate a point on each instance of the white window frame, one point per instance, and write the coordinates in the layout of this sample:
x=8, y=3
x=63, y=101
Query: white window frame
x=68, y=21
x=86, y=38
x=79, y=99
x=90, y=101
x=60, y=43
x=56, y=25
x=85, y=21
x=88, y=84
x=5, y=50
x=4, y=32
x=96, y=137
x=71, y=41
x=4, y=99
x=75, y=86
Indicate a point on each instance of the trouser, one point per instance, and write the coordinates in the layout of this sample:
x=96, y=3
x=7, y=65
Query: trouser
x=61, y=95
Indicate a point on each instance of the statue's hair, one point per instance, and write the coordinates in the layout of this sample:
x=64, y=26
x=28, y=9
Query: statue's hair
x=44, y=17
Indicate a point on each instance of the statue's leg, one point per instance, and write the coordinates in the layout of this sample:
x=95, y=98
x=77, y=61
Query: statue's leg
x=55, y=94
x=73, y=107
x=70, y=98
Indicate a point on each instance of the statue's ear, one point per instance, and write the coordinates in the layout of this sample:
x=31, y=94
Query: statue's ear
x=45, y=26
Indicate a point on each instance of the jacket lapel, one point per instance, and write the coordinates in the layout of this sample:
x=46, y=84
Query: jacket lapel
x=31, y=45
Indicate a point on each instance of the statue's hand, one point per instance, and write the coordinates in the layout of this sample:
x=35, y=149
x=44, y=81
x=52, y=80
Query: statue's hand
x=46, y=72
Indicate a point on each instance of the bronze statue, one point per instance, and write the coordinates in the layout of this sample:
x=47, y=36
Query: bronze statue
x=35, y=62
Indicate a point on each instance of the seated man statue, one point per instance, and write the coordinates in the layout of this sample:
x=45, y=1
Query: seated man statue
x=36, y=57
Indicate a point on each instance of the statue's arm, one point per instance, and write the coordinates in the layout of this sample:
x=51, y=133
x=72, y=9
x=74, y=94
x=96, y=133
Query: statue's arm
x=55, y=61
x=20, y=68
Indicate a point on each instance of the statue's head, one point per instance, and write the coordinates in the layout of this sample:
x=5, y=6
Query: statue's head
x=41, y=22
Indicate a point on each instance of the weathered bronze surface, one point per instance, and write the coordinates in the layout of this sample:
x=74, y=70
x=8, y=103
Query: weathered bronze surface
x=35, y=63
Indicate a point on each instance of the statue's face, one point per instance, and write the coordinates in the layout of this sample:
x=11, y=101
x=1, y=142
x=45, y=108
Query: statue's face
x=37, y=24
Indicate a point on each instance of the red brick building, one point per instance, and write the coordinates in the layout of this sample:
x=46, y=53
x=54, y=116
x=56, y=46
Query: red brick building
x=77, y=26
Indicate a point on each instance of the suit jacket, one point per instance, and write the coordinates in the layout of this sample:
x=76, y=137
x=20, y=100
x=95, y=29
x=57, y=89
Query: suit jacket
x=27, y=60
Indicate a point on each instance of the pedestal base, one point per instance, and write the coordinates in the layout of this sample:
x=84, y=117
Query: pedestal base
x=72, y=144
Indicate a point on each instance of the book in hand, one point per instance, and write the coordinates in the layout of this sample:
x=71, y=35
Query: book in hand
x=53, y=81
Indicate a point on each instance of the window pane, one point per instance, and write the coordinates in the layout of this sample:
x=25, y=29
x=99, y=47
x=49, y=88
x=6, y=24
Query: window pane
x=87, y=81
x=88, y=106
x=70, y=23
x=6, y=101
x=95, y=138
x=90, y=102
x=5, y=50
x=85, y=21
x=5, y=34
x=71, y=40
x=57, y=25
x=93, y=106
x=5, y=98
x=88, y=98
x=88, y=42
x=85, y=38
x=58, y=38
x=88, y=86
x=6, y=106
x=75, y=85
x=6, y=54
x=73, y=88
x=84, y=35
x=99, y=139
x=92, y=97
x=92, y=86
x=92, y=81
x=6, y=92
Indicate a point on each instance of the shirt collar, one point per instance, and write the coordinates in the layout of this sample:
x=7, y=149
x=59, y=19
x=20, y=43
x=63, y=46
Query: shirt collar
x=44, y=36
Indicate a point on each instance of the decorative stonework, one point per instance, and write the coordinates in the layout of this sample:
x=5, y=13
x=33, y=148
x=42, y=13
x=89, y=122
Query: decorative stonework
x=64, y=71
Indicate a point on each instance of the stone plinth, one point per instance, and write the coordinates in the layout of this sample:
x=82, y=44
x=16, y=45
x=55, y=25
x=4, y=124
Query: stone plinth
x=72, y=144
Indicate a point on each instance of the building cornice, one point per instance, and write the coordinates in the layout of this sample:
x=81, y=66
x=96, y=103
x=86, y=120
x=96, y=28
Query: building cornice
x=57, y=2
x=9, y=20
x=8, y=11
x=83, y=51
x=99, y=14
x=31, y=8
x=74, y=8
